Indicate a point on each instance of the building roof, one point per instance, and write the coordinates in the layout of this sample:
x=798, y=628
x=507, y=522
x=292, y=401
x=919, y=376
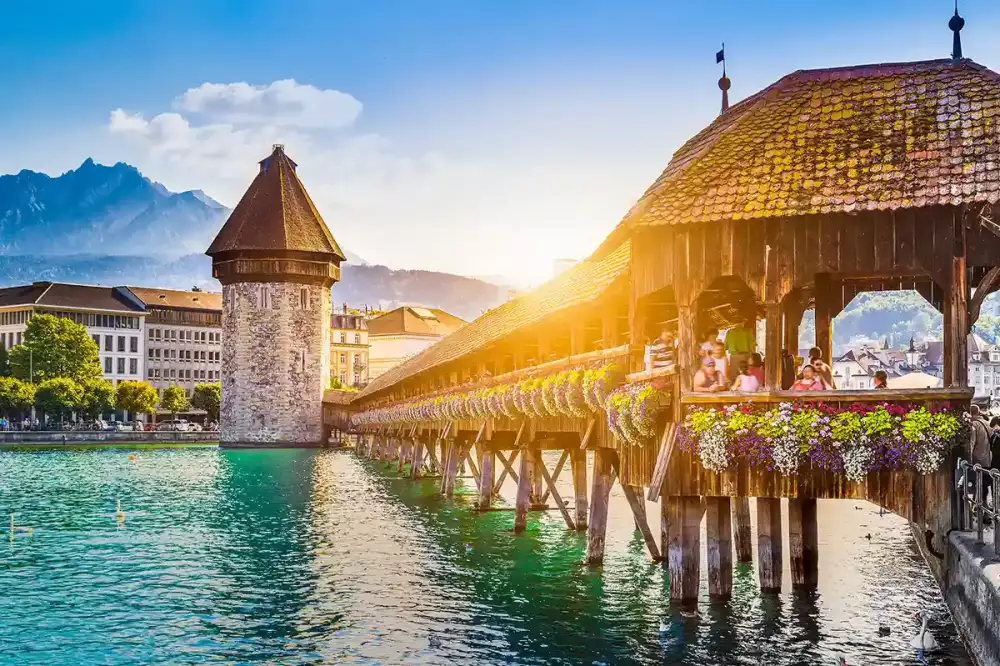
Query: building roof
x=275, y=214
x=869, y=137
x=178, y=299
x=410, y=320
x=914, y=380
x=67, y=295
x=579, y=284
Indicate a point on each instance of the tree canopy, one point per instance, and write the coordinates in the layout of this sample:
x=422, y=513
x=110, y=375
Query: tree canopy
x=55, y=347
x=173, y=400
x=98, y=397
x=15, y=395
x=58, y=395
x=136, y=397
x=208, y=397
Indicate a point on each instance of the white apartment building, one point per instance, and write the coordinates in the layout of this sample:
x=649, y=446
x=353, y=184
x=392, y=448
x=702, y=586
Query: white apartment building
x=349, y=348
x=401, y=333
x=113, y=316
x=183, y=337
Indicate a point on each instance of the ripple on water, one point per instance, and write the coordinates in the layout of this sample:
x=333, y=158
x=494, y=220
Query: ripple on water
x=304, y=557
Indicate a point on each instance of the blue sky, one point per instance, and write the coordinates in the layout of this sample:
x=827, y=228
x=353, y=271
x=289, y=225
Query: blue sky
x=474, y=137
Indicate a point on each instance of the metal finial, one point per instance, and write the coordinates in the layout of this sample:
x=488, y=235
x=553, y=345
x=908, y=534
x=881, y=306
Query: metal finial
x=278, y=147
x=724, y=82
x=955, y=24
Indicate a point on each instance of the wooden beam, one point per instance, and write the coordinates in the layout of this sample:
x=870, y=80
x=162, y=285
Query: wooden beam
x=578, y=465
x=451, y=466
x=687, y=347
x=597, y=523
x=432, y=452
x=769, y=547
x=536, y=477
x=719, y=531
x=523, y=500
x=508, y=469
x=987, y=286
x=550, y=482
x=417, y=460
x=667, y=442
x=487, y=464
x=741, y=529
x=684, y=550
x=557, y=472
x=637, y=502
x=772, y=346
x=586, y=435
x=824, y=319
x=803, y=543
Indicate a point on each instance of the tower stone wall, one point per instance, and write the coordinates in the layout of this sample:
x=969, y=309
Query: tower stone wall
x=275, y=363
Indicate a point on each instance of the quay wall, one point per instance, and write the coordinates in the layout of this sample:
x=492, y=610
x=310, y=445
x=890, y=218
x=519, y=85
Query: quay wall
x=972, y=591
x=86, y=436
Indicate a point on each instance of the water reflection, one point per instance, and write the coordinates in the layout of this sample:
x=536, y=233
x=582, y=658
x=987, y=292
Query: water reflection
x=303, y=557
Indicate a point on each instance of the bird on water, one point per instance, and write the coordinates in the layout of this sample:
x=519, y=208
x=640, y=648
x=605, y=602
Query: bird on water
x=924, y=641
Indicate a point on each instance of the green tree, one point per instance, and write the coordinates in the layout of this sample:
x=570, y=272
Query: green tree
x=58, y=395
x=15, y=396
x=55, y=347
x=98, y=397
x=4, y=362
x=136, y=397
x=173, y=400
x=208, y=398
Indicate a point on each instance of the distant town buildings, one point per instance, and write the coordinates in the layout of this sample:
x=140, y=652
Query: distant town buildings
x=114, y=318
x=183, y=337
x=401, y=333
x=349, y=348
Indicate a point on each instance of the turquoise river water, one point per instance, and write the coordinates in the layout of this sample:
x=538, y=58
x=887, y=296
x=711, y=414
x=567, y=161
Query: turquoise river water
x=305, y=557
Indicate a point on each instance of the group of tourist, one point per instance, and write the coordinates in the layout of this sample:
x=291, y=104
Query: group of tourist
x=734, y=364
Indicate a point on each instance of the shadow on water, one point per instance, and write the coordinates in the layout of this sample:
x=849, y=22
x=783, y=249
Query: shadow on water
x=304, y=557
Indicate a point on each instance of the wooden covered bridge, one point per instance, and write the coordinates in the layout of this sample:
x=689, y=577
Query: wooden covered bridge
x=824, y=185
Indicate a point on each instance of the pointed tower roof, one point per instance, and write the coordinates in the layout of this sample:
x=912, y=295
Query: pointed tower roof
x=275, y=215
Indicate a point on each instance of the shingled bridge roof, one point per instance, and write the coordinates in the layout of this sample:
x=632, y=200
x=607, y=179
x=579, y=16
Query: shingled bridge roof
x=579, y=284
x=871, y=137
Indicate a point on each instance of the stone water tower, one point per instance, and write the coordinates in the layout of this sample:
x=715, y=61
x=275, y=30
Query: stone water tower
x=276, y=261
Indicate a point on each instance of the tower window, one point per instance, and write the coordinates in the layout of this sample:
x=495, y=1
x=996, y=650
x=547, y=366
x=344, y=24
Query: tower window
x=304, y=299
x=264, y=298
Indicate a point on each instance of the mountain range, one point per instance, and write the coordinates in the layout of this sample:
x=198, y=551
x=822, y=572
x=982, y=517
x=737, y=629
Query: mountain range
x=112, y=225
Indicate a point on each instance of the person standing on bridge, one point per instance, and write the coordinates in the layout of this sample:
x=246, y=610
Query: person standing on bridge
x=979, y=445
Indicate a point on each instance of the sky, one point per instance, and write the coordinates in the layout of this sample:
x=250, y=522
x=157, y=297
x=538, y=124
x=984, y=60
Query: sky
x=484, y=138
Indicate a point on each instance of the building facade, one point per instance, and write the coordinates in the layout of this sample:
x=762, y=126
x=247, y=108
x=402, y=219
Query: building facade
x=276, y=261
x=113, y=316
x=349, y=349
x=183, y=337
x=405, y=331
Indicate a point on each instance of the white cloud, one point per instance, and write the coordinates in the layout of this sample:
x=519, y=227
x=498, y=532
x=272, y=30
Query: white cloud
x=285, y=103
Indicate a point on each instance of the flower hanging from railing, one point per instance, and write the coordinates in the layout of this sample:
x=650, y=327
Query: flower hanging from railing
x=854, y=441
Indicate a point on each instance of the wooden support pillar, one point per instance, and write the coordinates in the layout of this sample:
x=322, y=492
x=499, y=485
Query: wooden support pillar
x=956, y=326
x=741, y=529
x=578, y=465
x=604, y=460
x=684, y=550
x=454, y=449
x=417, y=459
x=769, y=543
x=719, y=531
x=772, y=347
x=823, y=286
x=523, y=500
x=687, y=347
x=487, y=463
x=404, y=454
x=803, y=542
x=637, y=502
x=537, y=482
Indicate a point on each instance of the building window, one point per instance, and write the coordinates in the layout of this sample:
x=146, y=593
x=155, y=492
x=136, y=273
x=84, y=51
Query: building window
x=343, y=338
x=343, y=359
x=109, y=343
x=343, y=379
x=121, y=365
x=108, y=361
x=173, y=373
x=97, y=340
x=357, y=338
x=133, y=366
x=304, y=298
x=18, y=338
x=150, y=353
x=302, y=359
x=149, y=373
x=264, y=298
x=121, y=343
x=133, y=344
